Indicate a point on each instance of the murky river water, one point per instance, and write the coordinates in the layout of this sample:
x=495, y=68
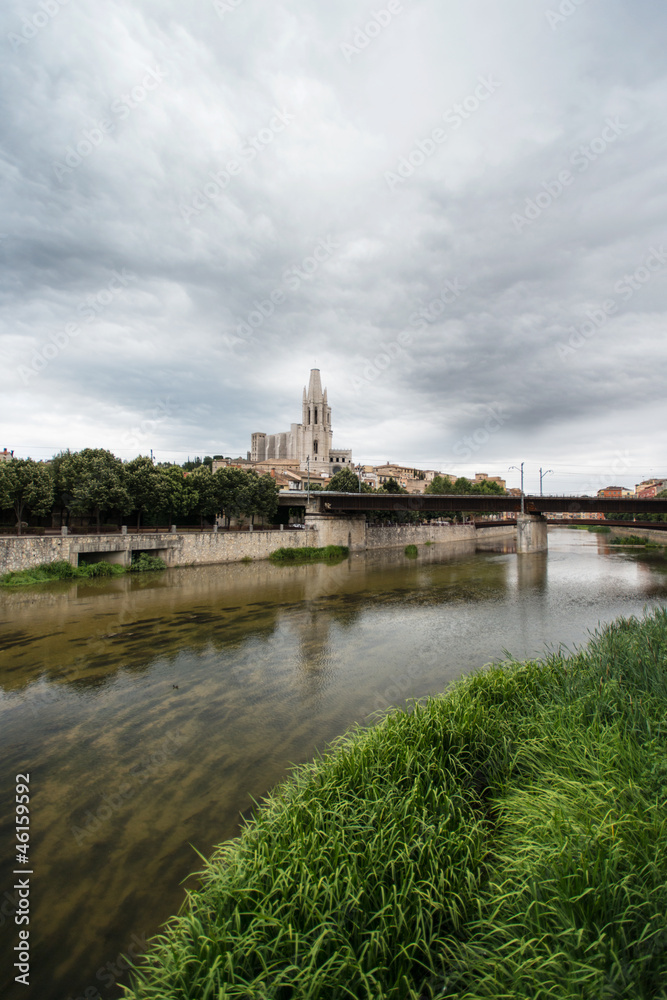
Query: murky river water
x=150, y=711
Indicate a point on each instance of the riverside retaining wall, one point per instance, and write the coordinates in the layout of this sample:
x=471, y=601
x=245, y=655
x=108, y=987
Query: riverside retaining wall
x=209, y=548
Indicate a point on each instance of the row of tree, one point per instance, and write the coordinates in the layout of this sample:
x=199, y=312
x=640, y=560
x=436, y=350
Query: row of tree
x=94, y=483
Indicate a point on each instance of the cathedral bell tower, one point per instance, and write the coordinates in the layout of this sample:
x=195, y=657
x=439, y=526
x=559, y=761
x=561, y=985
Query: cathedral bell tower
x=316, y=421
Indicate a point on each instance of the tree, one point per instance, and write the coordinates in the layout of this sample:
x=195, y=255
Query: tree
x=233, y=491
x=392, y=485
x=202, y=482
x=180, y=495
x=146, y=485
x=96, y=481
x=344, y=481
x=440, y=484
x=267, y=498
x=25, y=485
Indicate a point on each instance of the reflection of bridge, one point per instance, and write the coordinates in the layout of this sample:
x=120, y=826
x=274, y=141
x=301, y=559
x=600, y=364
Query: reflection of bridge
x=322, y=506
x=353, y=503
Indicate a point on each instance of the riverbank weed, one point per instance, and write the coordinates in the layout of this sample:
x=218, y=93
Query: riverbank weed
x=308, y=553
x=507, y=839
x=410, y=551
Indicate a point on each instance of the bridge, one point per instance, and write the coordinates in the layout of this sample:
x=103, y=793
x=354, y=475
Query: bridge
x=529, y=510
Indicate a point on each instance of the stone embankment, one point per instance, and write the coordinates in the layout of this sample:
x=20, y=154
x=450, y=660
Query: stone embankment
x=210, y=548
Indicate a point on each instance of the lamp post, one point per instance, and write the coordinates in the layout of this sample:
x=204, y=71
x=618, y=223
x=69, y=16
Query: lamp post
x=521, y=471
x=542, y=475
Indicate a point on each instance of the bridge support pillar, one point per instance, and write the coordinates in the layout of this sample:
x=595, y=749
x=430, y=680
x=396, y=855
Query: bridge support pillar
x=338, y=529
x=531, y=533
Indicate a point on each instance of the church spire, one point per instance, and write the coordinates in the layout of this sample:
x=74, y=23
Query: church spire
x=315, y=385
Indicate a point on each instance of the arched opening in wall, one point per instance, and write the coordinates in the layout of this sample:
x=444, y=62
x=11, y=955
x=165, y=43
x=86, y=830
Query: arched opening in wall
x=315, y=420
x=308, y=414
x=315, y=447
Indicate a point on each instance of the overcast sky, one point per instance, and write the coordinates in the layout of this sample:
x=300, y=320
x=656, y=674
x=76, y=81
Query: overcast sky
x=456, y=210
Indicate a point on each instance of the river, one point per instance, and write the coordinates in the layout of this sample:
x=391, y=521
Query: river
x=150, y=711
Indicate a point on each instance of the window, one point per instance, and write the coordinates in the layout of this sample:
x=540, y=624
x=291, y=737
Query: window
x=315, y=443
x=315, y=420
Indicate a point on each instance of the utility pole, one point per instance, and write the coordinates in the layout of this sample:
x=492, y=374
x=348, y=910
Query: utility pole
x=521, y=471
x=542, y=475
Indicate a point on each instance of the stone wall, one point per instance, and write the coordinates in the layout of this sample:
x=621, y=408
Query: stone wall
x=209, y=548
x=652, y=536
x=385, y=537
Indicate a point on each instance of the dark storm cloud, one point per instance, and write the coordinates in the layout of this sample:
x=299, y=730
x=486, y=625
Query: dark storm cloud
x=454, y=212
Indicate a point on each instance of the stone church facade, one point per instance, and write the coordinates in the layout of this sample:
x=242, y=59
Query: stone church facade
x=309, y=440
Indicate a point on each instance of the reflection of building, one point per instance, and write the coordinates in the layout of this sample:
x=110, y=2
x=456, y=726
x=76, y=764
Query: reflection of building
x=309, y=440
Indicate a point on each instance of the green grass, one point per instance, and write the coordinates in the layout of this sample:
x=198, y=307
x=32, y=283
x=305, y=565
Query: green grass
x=429, y=543
x=63, y=570
x=599, y=529
x=307, y=554
x=145, y=563
x=411, y=551
x=506, y=840
x=629, y=540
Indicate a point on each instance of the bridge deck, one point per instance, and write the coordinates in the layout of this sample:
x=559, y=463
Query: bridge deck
x=357, y=502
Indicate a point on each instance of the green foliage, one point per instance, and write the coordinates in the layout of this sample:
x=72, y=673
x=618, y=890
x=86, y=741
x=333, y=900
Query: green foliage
x=505, y=840
x=344, y=481
x=147, y=486
x=58, y=570
x=25, y=485
x=411, y=551
x=630, y=540
x=307, y=553
x=145, y=563
x=96, y=482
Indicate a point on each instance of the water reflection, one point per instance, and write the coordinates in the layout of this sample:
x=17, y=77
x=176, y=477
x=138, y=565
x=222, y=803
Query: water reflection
x=150, y=710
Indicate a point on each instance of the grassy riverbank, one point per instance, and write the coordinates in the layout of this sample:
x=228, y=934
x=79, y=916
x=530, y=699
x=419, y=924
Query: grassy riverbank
x=508, y=839
x=308, y=553
x=63, y=570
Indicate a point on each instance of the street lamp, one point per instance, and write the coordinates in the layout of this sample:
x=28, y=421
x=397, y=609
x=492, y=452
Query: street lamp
x=542, y=475
x=521, y=471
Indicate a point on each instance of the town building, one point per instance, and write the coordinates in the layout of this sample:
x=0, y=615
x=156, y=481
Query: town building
x=310, y=442
x=6, y=455
x=615, y=492
x=650, y=488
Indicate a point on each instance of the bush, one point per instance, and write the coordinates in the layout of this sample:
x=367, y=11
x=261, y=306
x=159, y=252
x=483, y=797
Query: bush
x=308, y=553
x=143, y=563
x=411, y=551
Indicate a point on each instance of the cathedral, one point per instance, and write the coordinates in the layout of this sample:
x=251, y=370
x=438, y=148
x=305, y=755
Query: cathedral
x=308, y=442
